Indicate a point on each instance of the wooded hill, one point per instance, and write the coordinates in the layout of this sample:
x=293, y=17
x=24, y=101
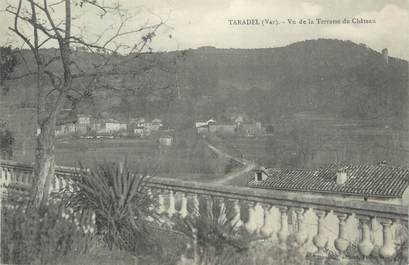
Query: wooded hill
x=326, y=76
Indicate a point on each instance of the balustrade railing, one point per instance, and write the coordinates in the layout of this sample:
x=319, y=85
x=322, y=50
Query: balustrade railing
x=319, y=225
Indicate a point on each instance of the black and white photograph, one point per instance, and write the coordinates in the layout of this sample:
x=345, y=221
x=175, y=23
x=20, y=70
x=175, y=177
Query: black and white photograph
x=217, y=132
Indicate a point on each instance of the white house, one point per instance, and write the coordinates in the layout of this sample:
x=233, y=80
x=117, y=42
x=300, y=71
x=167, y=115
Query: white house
x=111, y=126
x=84, y=119
x=65, y=129
x=166, y=140
x=155, y=125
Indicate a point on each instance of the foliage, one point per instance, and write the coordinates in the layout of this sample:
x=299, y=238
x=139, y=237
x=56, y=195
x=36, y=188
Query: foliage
x=212, y=228
x=30, y=237
x=231, y=165
x=6, y=144
x=103, y=257
x=8, y=62
x=120, y=202
x=268, y=253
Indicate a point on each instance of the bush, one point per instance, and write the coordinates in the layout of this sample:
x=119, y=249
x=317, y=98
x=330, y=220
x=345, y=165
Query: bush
x=29, y=237
x=218, y=242
x=122, y=206
x=103, y=257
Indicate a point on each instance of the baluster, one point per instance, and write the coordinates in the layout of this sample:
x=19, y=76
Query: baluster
x=178, y=202
x=268, y=225
x=183, y=209
x=342, y=243
x=161, y=203
x=7, y=177
x=69, y=185
x=259, y=214
x=196, y=257
x=12, y=175
x=251, y=224
x=236, y=221
x=171, y=209
x=388, y=249
x=150, y=195
x=365, y=246
x=20, y=176
x=301, y=236
x=283, y=233
x=195, y=206
x=17, y=174
x=149, y=192
x=206, y=204
x=59, y=183
x=320, y=240
x=222, y=214
x=53, y=185
x=62, y=182
x=26, y=179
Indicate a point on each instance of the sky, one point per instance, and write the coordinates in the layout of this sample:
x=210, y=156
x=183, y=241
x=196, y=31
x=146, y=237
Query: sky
x=195, y=23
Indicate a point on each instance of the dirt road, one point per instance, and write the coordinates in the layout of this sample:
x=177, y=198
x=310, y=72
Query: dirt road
x=247, y=165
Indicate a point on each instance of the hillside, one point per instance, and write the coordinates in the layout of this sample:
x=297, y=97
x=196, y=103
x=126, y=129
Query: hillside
x=334, y=77
x=327, y=76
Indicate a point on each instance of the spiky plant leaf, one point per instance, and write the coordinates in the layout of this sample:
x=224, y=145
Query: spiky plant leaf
x=118, y=198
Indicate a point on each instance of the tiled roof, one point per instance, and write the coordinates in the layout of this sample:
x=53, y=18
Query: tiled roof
x=363, y=180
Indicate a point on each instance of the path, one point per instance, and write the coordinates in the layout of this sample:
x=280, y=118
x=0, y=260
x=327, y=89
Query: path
x=248, y=165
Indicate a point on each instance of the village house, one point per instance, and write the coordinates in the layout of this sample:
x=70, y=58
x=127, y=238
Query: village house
x=202, y=129
x=66, y=124
x=141, y=127
x=65, y=129
x=156, y=124
x=166, y=140
x=201, y=123
x=111, y=126
x=239, y=118
x=83, y=124
x=250, y=128
x=202, y=126
x=223, y=128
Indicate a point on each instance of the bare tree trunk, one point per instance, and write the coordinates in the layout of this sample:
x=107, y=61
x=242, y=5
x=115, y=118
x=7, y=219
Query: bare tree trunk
x=44, y=168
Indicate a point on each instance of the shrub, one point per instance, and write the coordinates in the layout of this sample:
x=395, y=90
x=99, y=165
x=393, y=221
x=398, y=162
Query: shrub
x=103, y=257
x=218, y=242
x=29, y=237
x=122, y=206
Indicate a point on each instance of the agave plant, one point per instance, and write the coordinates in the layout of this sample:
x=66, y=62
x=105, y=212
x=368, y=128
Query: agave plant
x=213, y=233
x=119, y=200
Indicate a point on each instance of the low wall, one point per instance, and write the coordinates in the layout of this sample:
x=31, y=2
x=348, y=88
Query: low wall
x=320, y=225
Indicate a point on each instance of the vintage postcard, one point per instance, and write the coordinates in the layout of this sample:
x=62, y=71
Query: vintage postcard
x=232, y=132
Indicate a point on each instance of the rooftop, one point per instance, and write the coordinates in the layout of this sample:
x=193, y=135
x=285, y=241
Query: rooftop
x=379, y=181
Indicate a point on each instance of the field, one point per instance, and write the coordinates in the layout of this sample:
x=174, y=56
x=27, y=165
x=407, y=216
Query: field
x=188, y=159
x=342, y=145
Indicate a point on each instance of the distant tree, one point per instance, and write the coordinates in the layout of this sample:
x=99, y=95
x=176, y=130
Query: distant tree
x=6, y=144
x=59, y=78
x=8, y=62
x=307, y=141
x=270, y=129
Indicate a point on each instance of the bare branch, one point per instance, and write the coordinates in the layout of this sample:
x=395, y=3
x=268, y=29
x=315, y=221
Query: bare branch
x=55, y=79
x=21, y=76
x=16, y=30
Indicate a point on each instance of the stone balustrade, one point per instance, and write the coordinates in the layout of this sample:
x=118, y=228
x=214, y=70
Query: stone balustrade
x=18, y=176
x=323, y=226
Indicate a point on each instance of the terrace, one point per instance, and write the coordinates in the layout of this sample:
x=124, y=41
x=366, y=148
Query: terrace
x=322, y=228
